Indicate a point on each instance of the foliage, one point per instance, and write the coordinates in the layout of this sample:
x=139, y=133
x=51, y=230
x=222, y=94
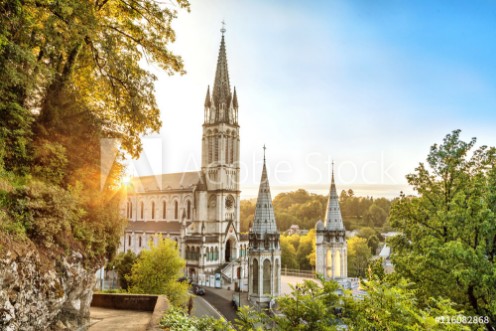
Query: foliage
x=298, y=251
x=288, y=253
x=365, y=210
x=246, y=214
x=70, y=74
x=310, y=306
x=372, y=236
x=300, y=208
x=447, y=247
x=305, y=209
x=358, y=257
x=122, y=264
x=395, y=308
x=157, y=271
x=177, y=319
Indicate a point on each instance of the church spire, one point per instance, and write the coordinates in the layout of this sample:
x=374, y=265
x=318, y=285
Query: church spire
x=333, y=218
x=222, y=91
x=264, y=221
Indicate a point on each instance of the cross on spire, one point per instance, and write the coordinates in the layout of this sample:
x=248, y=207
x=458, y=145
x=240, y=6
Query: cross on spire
x=264, y=148
x=223, y=29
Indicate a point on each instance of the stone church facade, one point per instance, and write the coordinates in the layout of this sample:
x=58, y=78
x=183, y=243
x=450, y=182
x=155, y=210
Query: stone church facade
x=199, y=210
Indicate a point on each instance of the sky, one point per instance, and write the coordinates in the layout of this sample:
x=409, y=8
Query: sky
x=368, y=84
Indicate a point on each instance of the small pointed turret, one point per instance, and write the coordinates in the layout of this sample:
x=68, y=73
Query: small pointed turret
x=235, y=99
x=333, y=218
x=264, y=221
x=208, y=100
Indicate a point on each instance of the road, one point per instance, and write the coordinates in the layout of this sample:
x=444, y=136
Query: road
x=222, y=301
x=202, y=308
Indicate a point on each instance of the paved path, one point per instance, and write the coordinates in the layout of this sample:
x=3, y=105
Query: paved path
x=221, y=299
x=103, y=319
x=201, y=308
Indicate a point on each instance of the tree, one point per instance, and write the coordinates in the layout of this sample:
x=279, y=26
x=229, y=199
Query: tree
x=448, y=243
x=372, y=238
x=122, y=264
x=376, y=215
x=305, y=254
x=358, y=257
x=157, y=271
x=310, y=306
x=288, y=254
x=395, y=308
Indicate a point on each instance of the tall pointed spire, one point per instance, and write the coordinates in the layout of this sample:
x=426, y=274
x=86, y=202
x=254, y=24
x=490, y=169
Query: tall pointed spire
x=222, y=91
x=333, y=218
x=264, y=221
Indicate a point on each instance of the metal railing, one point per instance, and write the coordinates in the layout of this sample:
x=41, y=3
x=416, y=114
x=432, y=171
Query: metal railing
x=298, y=273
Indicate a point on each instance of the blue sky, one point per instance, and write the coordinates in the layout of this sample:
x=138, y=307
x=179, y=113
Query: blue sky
x=370, y=84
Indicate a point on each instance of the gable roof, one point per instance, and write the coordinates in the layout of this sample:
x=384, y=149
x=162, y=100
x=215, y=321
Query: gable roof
x=175, y=181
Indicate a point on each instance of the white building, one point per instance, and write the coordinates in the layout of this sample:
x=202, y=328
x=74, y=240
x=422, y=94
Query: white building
x=331, y=252
x=199, y=210
x=264, y=252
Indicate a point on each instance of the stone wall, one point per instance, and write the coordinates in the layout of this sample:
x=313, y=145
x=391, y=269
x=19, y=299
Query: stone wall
x=43, y=293
x=141, y=302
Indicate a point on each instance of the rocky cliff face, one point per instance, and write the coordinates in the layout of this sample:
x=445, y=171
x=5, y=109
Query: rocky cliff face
x=43, y=293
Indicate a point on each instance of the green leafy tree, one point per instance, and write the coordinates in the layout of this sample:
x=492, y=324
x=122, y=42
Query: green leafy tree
x=122, y=264
x=372, y=237
x=448, y=247
x=358, y=257
x=157, y=271
x=305, y=254
x=395, y=308
x=288, y=254
x=310, y=306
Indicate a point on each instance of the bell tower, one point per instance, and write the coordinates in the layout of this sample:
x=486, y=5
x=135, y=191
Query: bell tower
x=220, y=159
x=220, y=141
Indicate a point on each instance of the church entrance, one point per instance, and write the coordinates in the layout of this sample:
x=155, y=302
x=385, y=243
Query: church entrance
x=230, y=251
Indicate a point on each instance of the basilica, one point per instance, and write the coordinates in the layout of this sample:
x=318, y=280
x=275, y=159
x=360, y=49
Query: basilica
x=200, y=210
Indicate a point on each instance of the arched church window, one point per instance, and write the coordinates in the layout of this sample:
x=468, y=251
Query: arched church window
x=176, y=210
x=254, y=272
x=216, y=254
x=128, y=207
x=233, y=143
x=188, y=210
x=142, y=210
x=210, y=149
x=153, y=210
x=139, y=241
x=227, y=148
x=164, y=210
x=267, y=277
x=216, y=149
x=129, y=240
